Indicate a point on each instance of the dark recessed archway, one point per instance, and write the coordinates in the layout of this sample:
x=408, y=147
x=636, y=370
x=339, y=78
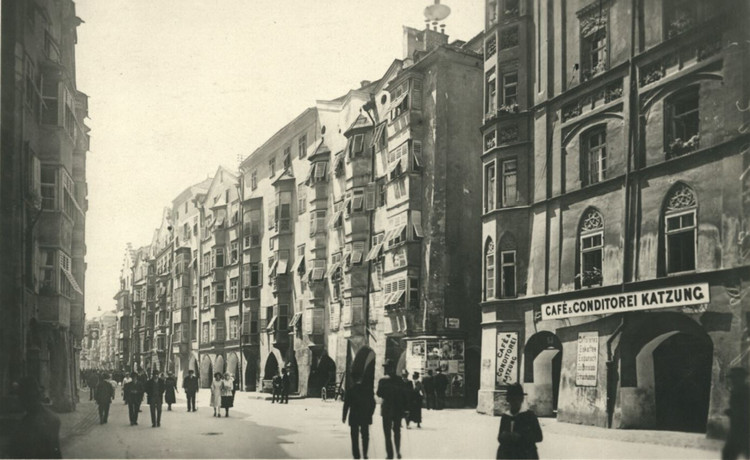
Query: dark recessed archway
x=542, y=366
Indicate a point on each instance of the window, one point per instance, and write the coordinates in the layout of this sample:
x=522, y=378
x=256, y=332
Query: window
x=509, y=37
x=679, y=16
x=491, y=12
x=272, y=167
x=510, y=183
x=413, y=292
x=594, y=145
x=194, y=330
x=318, y=171
x=490, y=47
x=680, y=230
x=489, y=270
x=591, y=235
x=206, y=263
x=357, y=203
x=302, y=146
x=593, y=42
x=510, y=8
x=397, y=232
x=47, y=271
x=301, y=198
x=49, y=187
x=234, y=327
x=218, y=257
x=683, y=123
x=490, y=187
x=508, y=273
x=490, y=93
x=399, y=189
x=234, y=251
x=205, y=328
x=356, y=145
x=510, y=91
x=219, y=293
x=283, y=319
x=49, y=102
x=382, y=195
x=254, y=180
x=233, y=289
x=317, y=221
x=284, y=211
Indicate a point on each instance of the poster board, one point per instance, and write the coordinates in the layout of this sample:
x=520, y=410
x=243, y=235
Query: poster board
x=587, y=358
x=506, y=359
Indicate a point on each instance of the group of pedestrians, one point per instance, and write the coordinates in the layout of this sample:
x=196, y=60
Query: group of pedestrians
x=157, y=389
x=222, y=393
x=280, y=385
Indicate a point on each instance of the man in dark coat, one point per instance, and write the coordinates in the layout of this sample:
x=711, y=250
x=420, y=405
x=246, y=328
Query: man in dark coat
x=441, y=384
x=391, y=390
x=738, y=439
x=133, y=391
x=359, y=402
x=92, y=381
x=170, y=388
x=37, y=434
x=104, y=394
x=519, y=430
x=276, y=388
x=155, y=394
x=285, y=385
x=190, y=385
x=428, y=383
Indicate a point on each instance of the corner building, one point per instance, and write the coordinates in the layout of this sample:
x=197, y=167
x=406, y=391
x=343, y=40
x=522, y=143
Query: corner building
x=614, y=249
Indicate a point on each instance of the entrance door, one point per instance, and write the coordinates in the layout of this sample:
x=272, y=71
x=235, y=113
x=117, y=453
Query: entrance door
x=682, y=380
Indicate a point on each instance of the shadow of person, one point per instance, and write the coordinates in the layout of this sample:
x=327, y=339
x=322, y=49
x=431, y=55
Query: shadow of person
x=37, y=434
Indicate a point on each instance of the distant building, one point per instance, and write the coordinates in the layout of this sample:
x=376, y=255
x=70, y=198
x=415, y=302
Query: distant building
x=614, y=230
x=43, y=199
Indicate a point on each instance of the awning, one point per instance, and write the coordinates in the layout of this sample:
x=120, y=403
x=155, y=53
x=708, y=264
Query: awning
x=335, y=220
x=375, y=251
x=379, y=131
x=356, y=256
x=271, y=324
x=417, y=227
x=395, y=169
x=219, y=221
x=282, y=266
x=272, y=272
x=332, y=269
x=396, y=102
x=395, y=232
x=338, y=162
x=316, y=274
x=298, y=262
x=357, y=202
x=295, y=320
x=73, y=282
x=393, y=298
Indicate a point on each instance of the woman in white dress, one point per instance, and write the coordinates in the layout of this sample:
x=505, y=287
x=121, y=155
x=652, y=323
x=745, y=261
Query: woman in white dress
x=216, y=386
x=227, y=394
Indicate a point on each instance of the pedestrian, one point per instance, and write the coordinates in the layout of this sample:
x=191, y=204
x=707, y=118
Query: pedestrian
x=391, y=390
x=227, y=393
x=191, y=386
x=133, y=396
x=155, y=397
x=738, y=439
x=359, y=402
x=519, y=430
x=92, y=381
x=216, y=394
x=276, y=388
x=415, y=402
x=170, y=388
x=408, y=388
x=127, y=379
x=441, y=384
x=285, y=384
x=37, y=434
x=104, y=394
x=143, y=379
x=428, y=385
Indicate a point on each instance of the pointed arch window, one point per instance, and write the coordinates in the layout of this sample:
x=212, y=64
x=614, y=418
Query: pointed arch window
x=680, y=225
x=489, y=270
x=591, y=248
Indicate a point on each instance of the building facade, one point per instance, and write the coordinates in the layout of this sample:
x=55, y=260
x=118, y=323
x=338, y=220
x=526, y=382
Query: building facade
x=43, y=199
x=615, y=256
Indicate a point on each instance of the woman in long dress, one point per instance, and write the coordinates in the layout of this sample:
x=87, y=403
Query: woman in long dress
x=170, y=385
x=227, y=394
x=216, y=385
x=415, y=404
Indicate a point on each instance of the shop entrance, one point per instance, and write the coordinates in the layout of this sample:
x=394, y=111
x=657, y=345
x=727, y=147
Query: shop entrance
x=206, y=372
x=251, y=371
x=542, y=365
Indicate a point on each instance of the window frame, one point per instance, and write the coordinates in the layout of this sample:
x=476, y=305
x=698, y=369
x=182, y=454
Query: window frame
x=507, y=173
x=490, y=186
x=503, y=265
x=595, y=156
x=490, y=271
x=682, y=230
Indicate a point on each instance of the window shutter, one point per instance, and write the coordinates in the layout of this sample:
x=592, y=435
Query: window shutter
x=416, y=148
x=370, y=196
x=220, y=331
x=246, y=323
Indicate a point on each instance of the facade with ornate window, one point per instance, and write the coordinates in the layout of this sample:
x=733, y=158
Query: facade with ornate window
x=630, y=252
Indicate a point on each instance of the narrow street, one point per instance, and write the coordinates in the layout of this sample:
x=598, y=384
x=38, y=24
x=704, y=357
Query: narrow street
x=311, y=428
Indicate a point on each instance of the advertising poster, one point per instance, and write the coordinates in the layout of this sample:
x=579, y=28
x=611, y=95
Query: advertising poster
x=418, y=348
x=433, y=349
x=587, y=359
x=507, y=358
x=446, y=349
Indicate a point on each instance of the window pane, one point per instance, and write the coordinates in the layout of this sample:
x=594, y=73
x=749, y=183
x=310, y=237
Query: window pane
x=592, y=260
x=681, y=250
x=509, y=281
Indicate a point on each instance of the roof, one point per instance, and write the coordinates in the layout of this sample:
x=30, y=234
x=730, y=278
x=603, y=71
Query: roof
x=360, y=122
x=282, y=132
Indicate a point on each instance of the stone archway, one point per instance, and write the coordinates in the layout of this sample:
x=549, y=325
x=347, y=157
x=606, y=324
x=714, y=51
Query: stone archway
x=206, y=372
x=233, y=367
x=219, y=364
x=542, y=367
x=271, y=368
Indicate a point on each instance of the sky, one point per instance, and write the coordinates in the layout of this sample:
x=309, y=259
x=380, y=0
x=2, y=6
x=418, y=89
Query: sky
x=178, y=87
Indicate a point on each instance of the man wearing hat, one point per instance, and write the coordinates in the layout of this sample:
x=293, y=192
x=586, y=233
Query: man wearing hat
x=738, y=441
x=519, y=430
x=155, y=397
x=392, y=391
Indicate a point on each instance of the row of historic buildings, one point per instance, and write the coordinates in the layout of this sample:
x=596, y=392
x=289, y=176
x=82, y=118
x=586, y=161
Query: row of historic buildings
x=99, y=344
x=614, y=228
x=43, y=199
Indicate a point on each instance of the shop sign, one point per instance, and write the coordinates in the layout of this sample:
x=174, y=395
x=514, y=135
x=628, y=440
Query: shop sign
x=677, y=296
x=452, y=323
x=587, y=359
x=507, y=358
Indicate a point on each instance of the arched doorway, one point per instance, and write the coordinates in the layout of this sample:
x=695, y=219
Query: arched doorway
x=206, y=372
x=323, y=375
x=251, y=371
x=233, y=367
x=542, y=358
x=271, y=368
x=219, y=365
x=291, y=367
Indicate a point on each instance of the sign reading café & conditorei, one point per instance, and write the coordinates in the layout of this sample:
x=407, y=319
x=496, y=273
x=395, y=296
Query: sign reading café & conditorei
x=676, y=296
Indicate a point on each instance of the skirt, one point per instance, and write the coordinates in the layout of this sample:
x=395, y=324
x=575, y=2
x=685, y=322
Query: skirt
x=227, y=402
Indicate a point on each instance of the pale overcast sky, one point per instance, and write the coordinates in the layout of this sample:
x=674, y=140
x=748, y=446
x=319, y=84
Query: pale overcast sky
x=178, y=87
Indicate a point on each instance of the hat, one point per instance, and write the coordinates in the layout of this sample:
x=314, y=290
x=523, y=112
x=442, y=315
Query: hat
x=515, y=389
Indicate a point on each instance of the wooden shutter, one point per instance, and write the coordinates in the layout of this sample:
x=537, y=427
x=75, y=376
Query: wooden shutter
x=370, y=196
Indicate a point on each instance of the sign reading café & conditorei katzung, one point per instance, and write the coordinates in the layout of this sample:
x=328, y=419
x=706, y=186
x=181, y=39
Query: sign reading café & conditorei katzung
x=676, y=296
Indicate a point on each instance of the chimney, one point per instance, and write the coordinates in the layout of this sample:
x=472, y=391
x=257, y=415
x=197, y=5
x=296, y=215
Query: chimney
x=364, y=83
x=422, y=40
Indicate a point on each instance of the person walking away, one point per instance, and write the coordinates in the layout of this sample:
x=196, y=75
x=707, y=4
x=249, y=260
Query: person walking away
x=428, y=386
x=359, y=403
x=216, y=394
x=155, y=398
x=190, y=386
x=415, y=406
x=92, y=381
x=276, y=388
x=441, y=384
x=408, y=388
x=104, y=394
x=285, y=384
x=127, y=379
x=143, y=379
x=738, y=439
x=133, y=396
x=227, y=394
x=390, y=389
x=37, y=434
x=519, y=430
x=170, y=388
